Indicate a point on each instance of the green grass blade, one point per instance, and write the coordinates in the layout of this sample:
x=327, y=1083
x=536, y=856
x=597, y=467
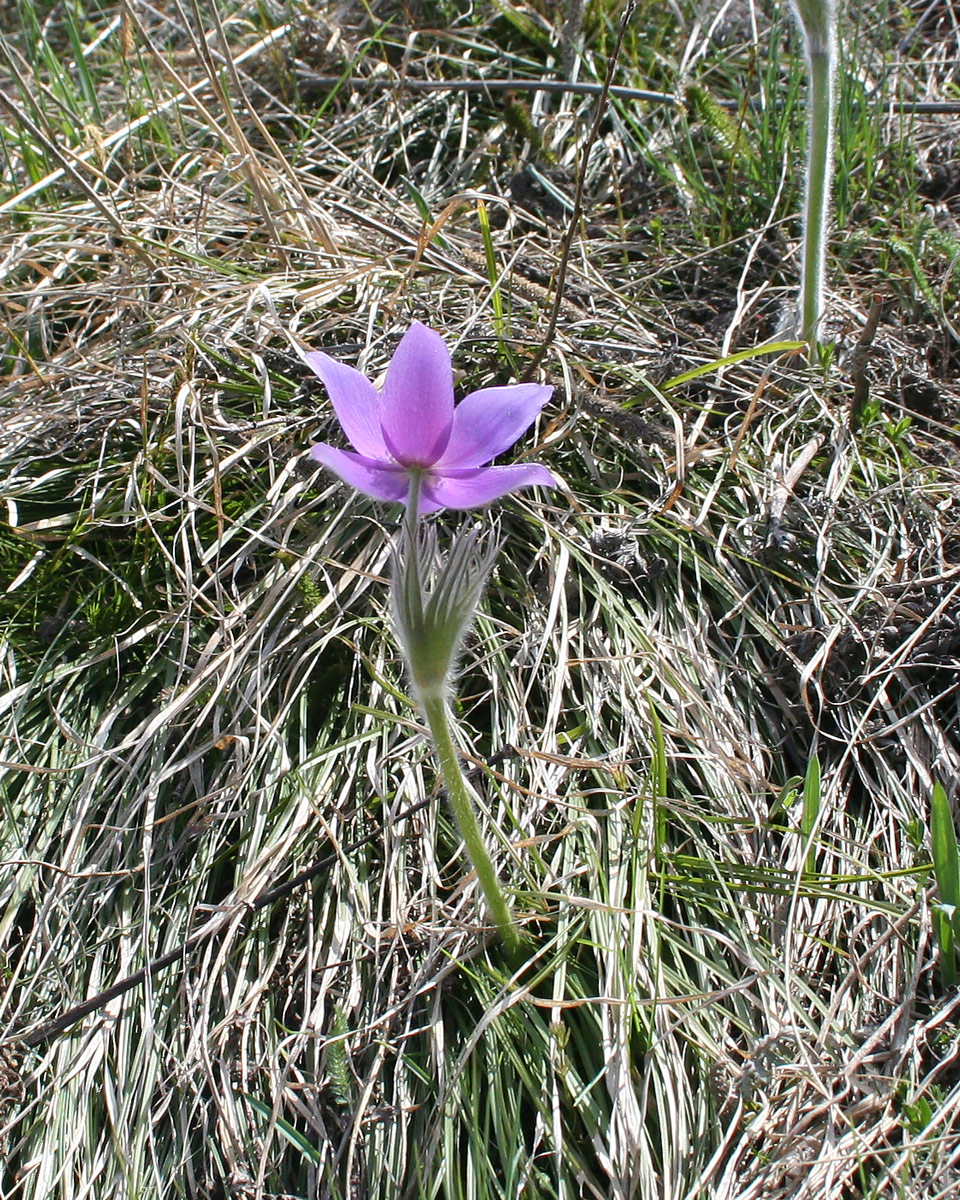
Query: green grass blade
x=810, y=813
x=946, y=866
x=729, y=359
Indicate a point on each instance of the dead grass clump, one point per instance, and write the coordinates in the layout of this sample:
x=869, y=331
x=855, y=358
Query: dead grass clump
x=707, y=698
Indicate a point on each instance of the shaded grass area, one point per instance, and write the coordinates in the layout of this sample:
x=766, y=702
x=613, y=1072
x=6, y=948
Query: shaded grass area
x=710, y=692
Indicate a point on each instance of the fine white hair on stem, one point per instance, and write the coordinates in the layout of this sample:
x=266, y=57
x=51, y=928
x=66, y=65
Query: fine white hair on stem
x=431, y=628
x=432, y=624
x=818, y=23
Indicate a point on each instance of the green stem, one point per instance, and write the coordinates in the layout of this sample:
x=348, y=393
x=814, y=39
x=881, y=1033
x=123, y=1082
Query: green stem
x=412, y=582
x=430, y=693
x=819, y=175
x=435, y=708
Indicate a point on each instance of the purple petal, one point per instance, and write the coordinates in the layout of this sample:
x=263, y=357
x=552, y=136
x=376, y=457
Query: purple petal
x=416, y=409
x=489, y=421
x=471, y=488
x=355, y=401
x=382, y=480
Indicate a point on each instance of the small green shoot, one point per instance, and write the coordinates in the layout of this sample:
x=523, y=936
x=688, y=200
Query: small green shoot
x=493, y=273
x=789, y=347
x=946, y=866
x=810, y=814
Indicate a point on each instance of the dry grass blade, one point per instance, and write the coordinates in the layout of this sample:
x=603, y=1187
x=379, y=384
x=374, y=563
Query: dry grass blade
x=735, y=991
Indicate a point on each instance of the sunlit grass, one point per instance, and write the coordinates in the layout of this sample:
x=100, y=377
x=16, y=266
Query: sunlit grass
x=709, y=696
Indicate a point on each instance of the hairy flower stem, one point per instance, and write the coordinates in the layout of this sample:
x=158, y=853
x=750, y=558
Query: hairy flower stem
x=431, y=693
x=818, y=24
x=817, y=202
x=435, y=709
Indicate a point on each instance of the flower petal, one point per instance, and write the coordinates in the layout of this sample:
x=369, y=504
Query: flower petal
x=471, y=488
x=355, y=401
x=416, y=408
x=382, y=480
x=489, y=421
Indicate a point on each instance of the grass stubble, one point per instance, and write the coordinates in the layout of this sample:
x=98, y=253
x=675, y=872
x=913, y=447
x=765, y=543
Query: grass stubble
x=707, y=700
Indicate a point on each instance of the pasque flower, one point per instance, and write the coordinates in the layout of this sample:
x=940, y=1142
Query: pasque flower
x=412, y=432
x=410, y=443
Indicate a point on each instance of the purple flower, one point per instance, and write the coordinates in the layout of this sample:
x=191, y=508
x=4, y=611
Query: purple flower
x=413, y=426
